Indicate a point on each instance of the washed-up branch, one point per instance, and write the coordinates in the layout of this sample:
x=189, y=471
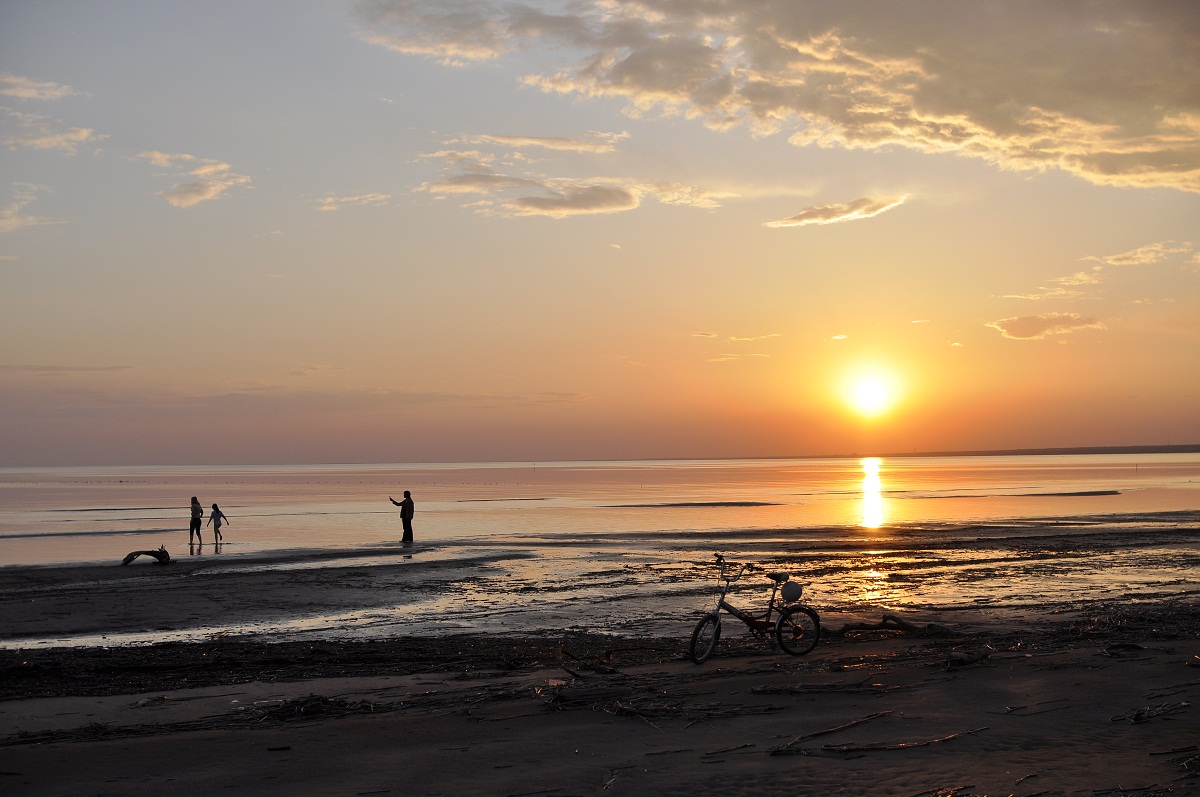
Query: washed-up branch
x=790, y=747
x=867, y=748
x=890, y=622
x=1136, y=715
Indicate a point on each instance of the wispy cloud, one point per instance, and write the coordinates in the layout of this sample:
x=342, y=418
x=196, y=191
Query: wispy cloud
x=732, y=345
x=1144, y=255
x=596, y=143
x=1063, y=287
x=339, y=202
x=12, y=215
x=215, y=177
x=1045, y=294
x=1036, y=327
x=38, y=132
x=519, y=191
x=24, y=88
x=751, y=339
x=863, y=208
x=68, y=141
x=1100, y=92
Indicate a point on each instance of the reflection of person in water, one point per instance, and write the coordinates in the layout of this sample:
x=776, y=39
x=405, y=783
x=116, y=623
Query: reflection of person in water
x=217, y=517
x=197, y=515
x=406, y=514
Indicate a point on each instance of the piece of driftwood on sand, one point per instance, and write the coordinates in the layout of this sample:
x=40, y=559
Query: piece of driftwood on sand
x=161, y=555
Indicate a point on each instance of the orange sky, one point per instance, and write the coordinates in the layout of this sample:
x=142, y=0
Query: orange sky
x=289, y=232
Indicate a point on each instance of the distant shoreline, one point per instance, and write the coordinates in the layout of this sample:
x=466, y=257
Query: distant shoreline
x=1184, y=448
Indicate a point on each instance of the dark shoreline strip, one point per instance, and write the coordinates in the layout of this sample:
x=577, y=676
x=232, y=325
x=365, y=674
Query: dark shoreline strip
x=1079, y=494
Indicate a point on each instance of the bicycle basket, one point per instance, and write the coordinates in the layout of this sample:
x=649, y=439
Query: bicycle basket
x=791, y=591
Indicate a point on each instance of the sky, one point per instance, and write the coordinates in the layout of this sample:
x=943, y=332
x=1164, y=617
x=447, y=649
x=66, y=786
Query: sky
x=289, y=231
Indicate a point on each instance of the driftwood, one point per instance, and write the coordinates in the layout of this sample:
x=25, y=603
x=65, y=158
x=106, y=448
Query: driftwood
x=890, y=622
x=161, y=555
x=1148, y=713
x=867, y=748
x=956, y=659
x=790, y=748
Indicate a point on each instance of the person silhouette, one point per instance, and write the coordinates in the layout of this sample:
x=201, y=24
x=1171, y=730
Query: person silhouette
x=217, y=517
x=197, y=515
x=406, y=514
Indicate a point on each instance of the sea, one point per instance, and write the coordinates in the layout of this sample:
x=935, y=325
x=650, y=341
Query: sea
x=567, y=542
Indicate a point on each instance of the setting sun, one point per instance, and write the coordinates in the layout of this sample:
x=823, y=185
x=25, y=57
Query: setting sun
x=871, y=395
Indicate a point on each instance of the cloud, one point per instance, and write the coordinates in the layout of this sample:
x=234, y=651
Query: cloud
x=455, y=32
x=1080, y=278
x=706, y=335
x=863, y=208
x=1036, y=327
x=469, y=173
x=210, y=169
x=594, y=143
x=11, y=215
x=68, y=141
x=46, y=134
x=339, y=202
x=1144, y=255
x=165, y=160
x=572, y=200
x=1064, y=287
x=1104, y=91
x=754, y=338
x=24, y=88
x=477, y=183
x=1044, y=294
x=216, y=177
x=185, y=195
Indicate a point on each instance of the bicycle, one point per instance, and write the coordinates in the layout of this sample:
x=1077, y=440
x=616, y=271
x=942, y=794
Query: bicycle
x=797, y=629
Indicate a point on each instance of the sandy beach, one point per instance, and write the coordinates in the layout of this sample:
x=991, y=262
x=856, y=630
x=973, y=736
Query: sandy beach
x=1090, y=701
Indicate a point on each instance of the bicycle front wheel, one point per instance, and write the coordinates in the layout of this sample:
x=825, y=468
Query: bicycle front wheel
x=798, y=630
x=704, y=638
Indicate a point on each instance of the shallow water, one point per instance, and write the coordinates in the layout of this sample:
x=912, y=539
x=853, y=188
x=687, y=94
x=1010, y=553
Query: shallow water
x=73, y=515
x=627, y=547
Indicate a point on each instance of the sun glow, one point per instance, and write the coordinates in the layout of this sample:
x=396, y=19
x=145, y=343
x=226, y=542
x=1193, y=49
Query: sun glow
x=871, y=395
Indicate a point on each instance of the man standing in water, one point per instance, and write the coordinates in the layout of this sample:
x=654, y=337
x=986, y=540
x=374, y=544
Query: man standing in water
x=406, y=514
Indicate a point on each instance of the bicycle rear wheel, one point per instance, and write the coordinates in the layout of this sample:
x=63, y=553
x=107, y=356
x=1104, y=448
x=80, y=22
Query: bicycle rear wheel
x=798, y=630
x=704, y=638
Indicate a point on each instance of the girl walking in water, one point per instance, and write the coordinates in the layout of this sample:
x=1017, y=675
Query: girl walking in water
x=217, y=517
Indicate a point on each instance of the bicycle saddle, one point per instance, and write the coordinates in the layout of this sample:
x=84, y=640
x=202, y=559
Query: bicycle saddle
x=778, y=578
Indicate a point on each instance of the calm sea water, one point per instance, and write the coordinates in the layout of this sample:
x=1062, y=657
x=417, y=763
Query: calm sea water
x=77, y=515
x=621, y=547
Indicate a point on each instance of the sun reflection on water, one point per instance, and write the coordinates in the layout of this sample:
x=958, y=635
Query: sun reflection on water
x=872, y=486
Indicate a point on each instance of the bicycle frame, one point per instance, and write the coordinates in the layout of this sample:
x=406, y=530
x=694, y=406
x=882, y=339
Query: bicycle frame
x=759, y=623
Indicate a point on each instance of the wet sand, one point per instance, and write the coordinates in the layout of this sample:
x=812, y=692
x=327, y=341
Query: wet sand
x=1074, y=709
x=1091, y=700
x=980, y=575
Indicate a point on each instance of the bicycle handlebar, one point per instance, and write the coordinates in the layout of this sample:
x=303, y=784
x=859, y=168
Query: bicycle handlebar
x=741, y=569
